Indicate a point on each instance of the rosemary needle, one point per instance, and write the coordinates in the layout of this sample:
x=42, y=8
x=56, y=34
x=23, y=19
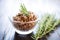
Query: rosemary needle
x=24, y=10
x=47, y=24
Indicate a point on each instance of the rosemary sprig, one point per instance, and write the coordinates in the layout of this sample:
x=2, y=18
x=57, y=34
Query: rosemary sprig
x=47, y=24
x=24, y=10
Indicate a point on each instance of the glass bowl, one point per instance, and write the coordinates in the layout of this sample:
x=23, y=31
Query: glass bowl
x=31, y=25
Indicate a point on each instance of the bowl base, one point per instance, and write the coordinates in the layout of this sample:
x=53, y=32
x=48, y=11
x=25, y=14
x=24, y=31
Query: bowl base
x=23, y=37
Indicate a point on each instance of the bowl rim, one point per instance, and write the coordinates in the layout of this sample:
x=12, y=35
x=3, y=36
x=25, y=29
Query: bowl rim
x=25, y=22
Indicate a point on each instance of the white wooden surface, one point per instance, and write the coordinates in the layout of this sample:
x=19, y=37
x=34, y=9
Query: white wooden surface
x=10, y=7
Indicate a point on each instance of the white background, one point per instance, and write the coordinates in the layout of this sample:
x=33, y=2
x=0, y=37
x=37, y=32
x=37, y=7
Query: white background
x=11, y=7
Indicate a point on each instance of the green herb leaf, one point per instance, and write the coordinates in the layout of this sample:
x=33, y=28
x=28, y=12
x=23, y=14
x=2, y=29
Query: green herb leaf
x=47, y=24
x=24, y=10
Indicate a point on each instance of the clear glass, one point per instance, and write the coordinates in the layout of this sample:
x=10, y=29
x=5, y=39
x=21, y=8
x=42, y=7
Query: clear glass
x=24, y=32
